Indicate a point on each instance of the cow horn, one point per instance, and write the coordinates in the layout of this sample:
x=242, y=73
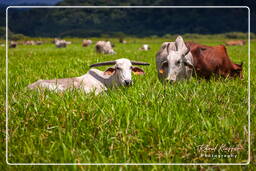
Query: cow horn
x=139, y=63
x=103, y=63
x=168, y=48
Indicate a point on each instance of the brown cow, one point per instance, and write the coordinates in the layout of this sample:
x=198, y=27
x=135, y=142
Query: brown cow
x=209, y=60
x=235, y=43
x=13, y=44
x=86, y=43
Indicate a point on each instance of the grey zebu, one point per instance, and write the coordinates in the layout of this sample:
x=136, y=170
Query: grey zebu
x=174, y=61
x=95, y=80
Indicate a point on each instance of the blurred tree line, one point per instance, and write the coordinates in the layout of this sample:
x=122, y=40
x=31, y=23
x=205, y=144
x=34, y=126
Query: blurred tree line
x=120, y=22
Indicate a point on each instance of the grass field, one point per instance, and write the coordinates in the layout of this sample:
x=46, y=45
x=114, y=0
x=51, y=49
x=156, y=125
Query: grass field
x=147, y=123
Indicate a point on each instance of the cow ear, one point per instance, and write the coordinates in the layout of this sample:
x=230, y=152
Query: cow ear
x=241, y=65
x=109, y=71
x=164, y=45
x=181, y=46
x=137, y=71
x=163, y=66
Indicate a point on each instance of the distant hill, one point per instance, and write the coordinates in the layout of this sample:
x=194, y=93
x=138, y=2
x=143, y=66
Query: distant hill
x=137, y=22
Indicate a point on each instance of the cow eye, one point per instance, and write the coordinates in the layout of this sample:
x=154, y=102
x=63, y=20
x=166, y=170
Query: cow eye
x=165, y=64
x=118, y=68
x=178, y=63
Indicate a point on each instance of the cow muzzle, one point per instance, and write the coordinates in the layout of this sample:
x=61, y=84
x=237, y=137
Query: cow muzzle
x=127, y=82
x=171, y=79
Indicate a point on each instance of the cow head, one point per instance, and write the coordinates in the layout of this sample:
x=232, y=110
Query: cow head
x=237, y=71
x=122, y=70
x=173, y=67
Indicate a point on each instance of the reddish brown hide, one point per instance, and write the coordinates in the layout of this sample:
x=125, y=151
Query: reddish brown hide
x=209, y=60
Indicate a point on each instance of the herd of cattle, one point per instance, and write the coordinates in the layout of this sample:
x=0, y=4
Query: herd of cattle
x=175, y=61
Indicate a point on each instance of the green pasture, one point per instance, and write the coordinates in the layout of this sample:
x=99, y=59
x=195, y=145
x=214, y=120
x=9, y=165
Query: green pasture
x=149, y=122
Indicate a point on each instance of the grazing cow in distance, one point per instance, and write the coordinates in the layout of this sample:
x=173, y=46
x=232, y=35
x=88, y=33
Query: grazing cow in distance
x=178, y=60
x=68, y=42
x=86, y=43
x=55, y=40
x=235, y=43
x=95, y=80
x=30, y=42
x=122, y=41
x=13, y=44
x=145, y=47
x=39, y=42
x=61, y=44
x=104, y=47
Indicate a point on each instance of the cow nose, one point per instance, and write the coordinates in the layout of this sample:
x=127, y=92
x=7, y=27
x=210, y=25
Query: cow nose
x=128, y=82
x=170, y=81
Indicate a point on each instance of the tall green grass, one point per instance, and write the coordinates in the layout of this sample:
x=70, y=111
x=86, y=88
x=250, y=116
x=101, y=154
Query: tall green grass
x=149, y=122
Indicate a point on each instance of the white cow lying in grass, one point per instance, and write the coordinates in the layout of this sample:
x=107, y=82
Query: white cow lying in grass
x=95, y=80
x=104, y=47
